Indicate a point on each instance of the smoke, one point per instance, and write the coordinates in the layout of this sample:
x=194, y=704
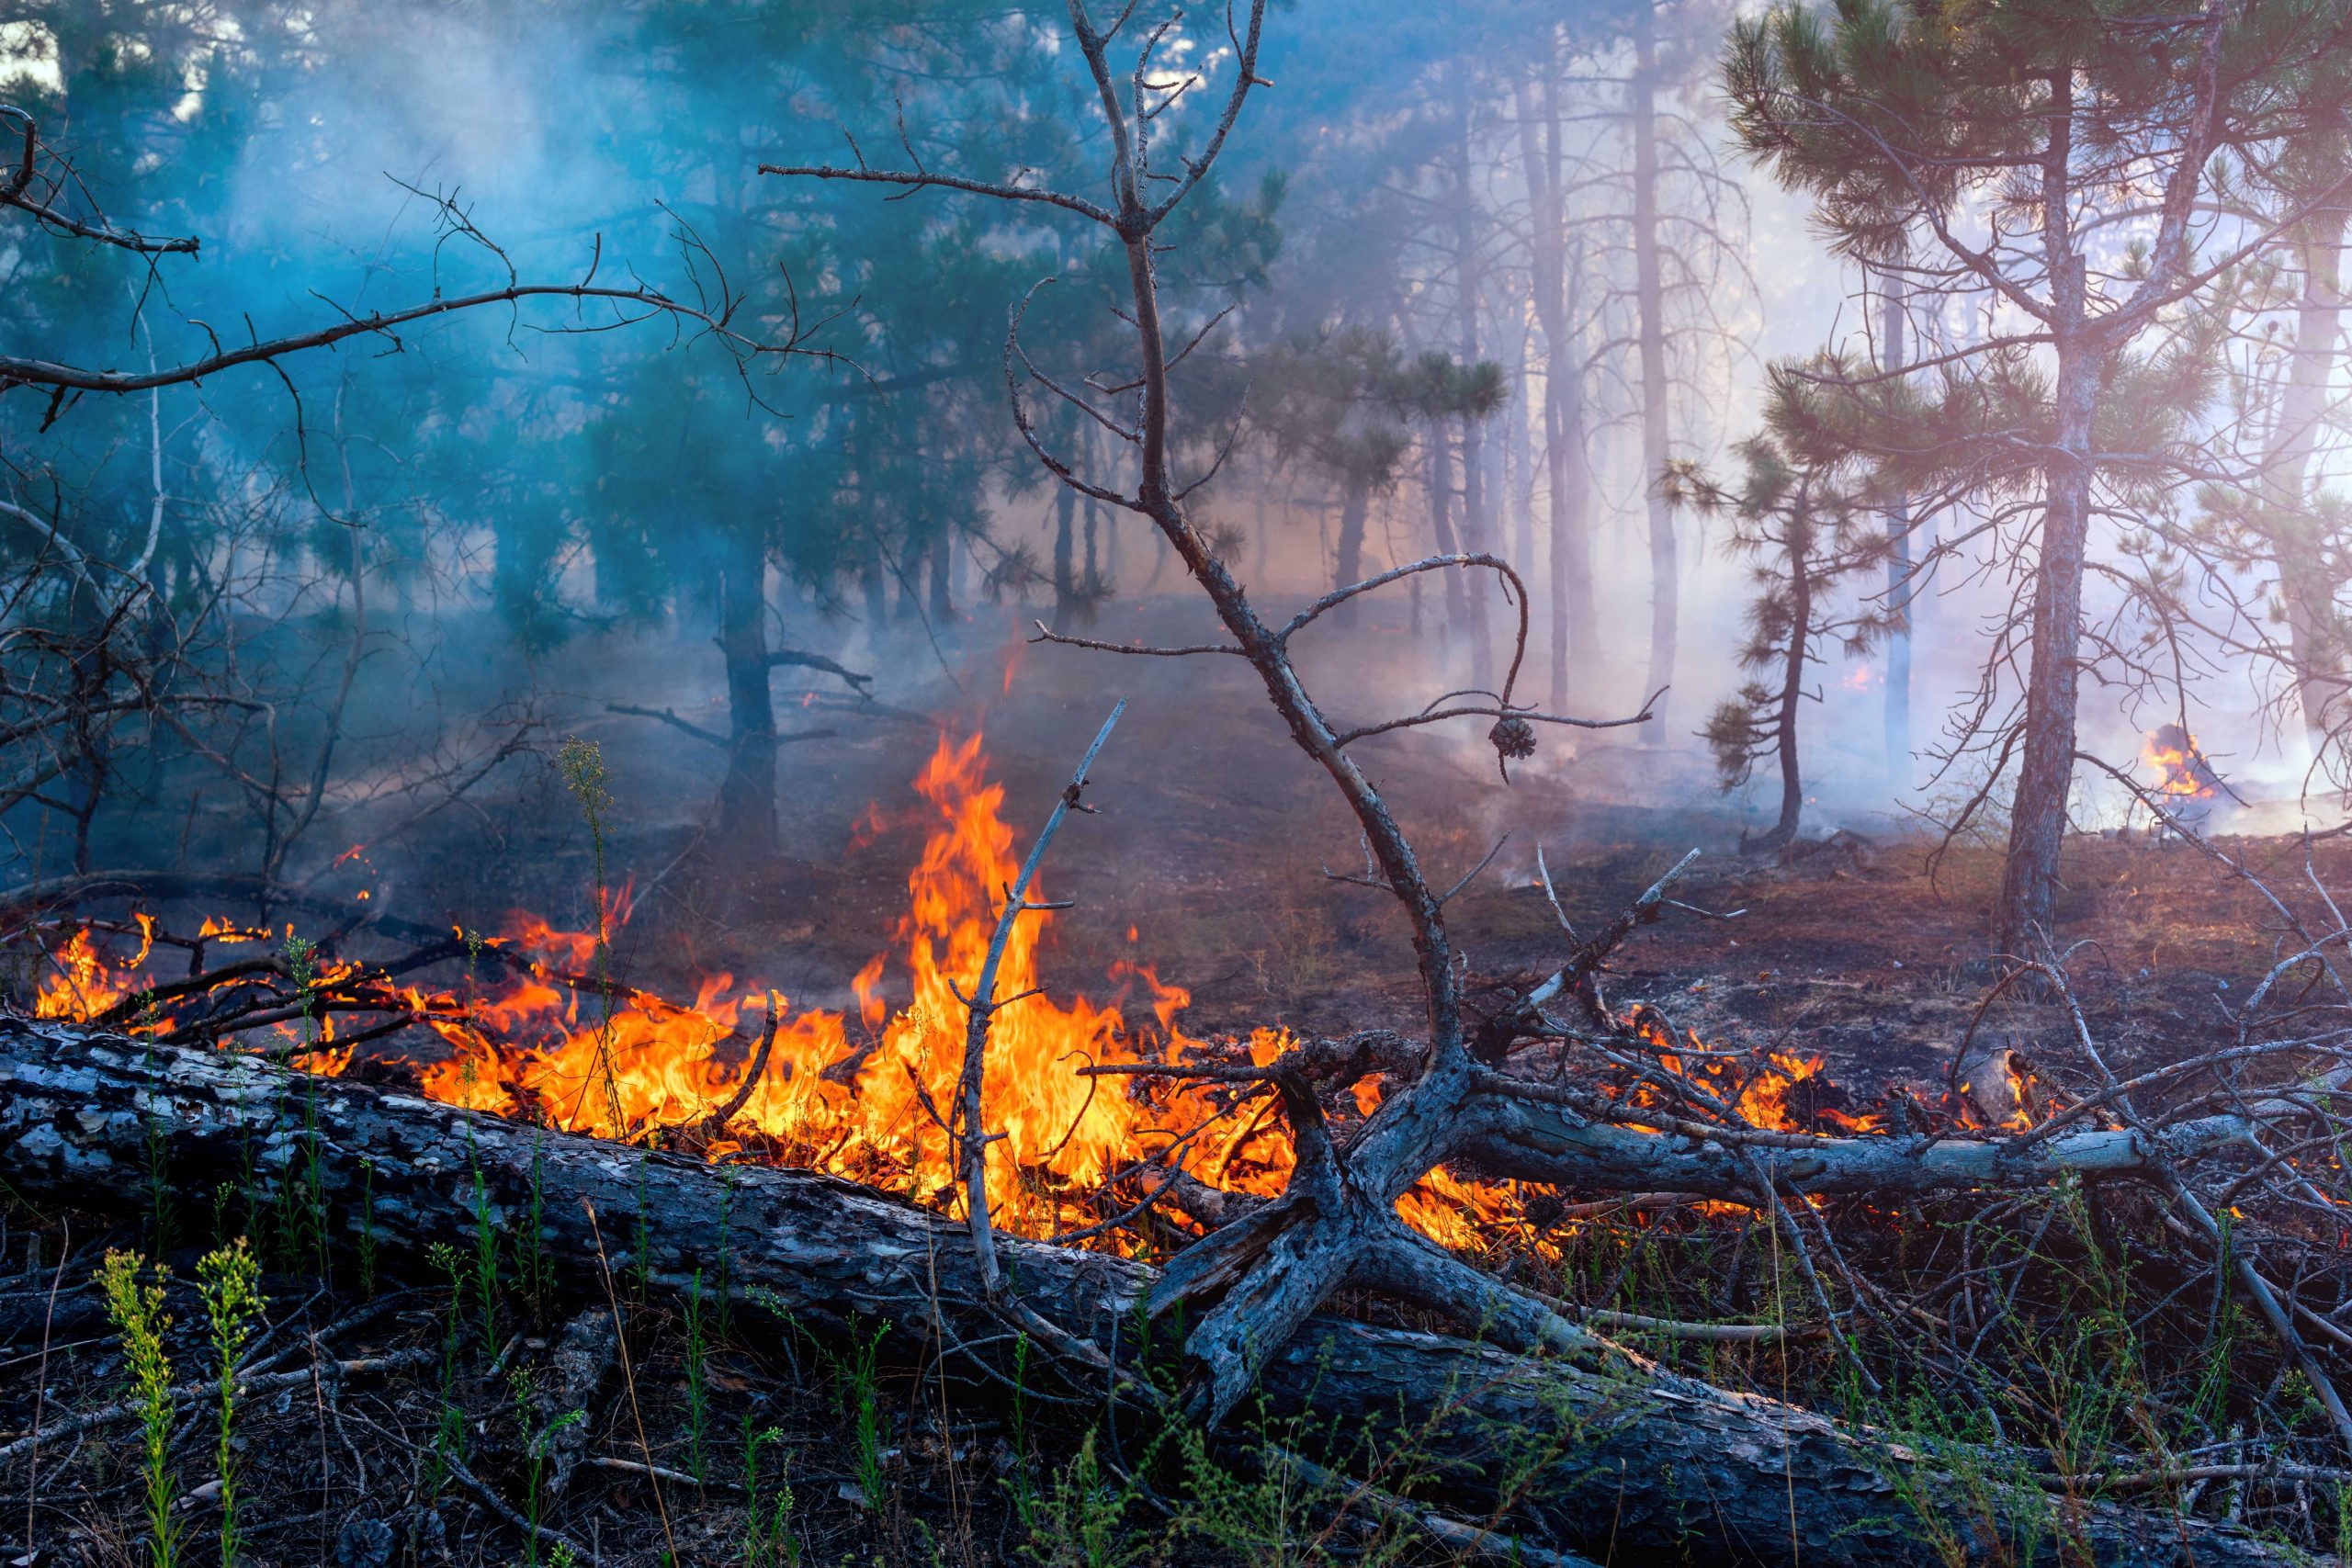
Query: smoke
x=573, y=488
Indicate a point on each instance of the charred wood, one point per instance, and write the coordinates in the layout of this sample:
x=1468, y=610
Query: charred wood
x=1627, y=1460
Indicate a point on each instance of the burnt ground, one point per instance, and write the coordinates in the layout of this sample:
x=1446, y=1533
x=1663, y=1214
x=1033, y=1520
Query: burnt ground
x=1211, y=845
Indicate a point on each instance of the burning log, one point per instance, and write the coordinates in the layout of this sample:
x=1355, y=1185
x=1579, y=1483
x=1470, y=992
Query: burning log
x=1626, y=1458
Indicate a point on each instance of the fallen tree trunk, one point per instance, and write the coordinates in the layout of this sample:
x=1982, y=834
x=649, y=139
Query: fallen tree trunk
x=1624, y=1463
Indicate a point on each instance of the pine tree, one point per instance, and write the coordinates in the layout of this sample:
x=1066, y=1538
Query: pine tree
x=1806, y=530
x=2042, y=161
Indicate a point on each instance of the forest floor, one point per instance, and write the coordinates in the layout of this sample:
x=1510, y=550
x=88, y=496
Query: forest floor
x=1207, y=864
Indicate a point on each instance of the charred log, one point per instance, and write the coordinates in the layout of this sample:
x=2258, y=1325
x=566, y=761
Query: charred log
x=1627, y=1460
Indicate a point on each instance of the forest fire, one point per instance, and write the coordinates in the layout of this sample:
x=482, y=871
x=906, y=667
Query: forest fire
x=1862, y=1151
x=534, y=1030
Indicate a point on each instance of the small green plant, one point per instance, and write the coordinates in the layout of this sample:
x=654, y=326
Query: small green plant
x=485, y=1258
x=485, y=1252
x=158, y=1165
x=1024, y=1493
x=698, y=1378
x=448, y=1437
x=857, y=1375
x=368, y=1226
x=230, y=1280
x=533, y=1270
x=1080, y=1519
x=534, y=1447
x=137, y=1312
x=768, y=1536
x=303, y=1197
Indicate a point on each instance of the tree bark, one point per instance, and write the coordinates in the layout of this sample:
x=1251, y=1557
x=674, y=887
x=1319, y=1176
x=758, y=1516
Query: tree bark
x=939, y=574
x=2046, y=748
x=1573, y=614
x=2046, y=751
x=1650, y=306
x=747, y=795
x=1440, y=489
x=2306, y=584
x=1896, y=352
x=1468, y=277
x=1347, y=555
x=1519, y=465
x=1633, y=1463
x=1791, y=692
x=1064, y=556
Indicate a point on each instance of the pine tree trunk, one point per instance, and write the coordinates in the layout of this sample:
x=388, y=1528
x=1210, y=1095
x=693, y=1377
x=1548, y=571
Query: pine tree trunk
x=1478, y=587
x=1519, y=467
x=1064, y=556
x=940, y=571
x=2046, y=746
x=1093, y=533
x=1476, y=535
x=1347, y=555
x=2046, y=750
x=877, y=587
x=747, y=793
x=1650, y=308
x=1793, y=696
x=1440, y=489
x=1896, y=351
x=1574, y=614
x=2307, y=584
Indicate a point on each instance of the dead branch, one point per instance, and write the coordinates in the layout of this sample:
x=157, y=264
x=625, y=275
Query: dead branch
x=982, y=1005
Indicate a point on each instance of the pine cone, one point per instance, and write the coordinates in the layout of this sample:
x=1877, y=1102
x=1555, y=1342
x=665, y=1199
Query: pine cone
x=1511, y=739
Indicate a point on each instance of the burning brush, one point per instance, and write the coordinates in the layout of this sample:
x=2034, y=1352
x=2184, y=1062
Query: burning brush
x=1096, y=1109
x=2186, y=784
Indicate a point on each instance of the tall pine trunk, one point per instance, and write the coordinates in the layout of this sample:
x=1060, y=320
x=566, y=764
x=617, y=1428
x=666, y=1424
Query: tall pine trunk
x=1650, y=308
x=2306, y=583
x=2046, y=745
x=1440, y=489
x=1896, y=352
x=940, y=573
x=1800, y=569
x=1573, y=614
x=1476, y=535
x=1064, y=556
x=1347, y=555
x=2046, y=749
x=747, y=793
x=1519, y=469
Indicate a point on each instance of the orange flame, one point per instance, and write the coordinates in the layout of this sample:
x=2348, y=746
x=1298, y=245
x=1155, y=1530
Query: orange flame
x=533, y=1030
x=2182, y=771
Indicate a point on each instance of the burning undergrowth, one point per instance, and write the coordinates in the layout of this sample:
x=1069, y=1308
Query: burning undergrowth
x=528, y=1023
